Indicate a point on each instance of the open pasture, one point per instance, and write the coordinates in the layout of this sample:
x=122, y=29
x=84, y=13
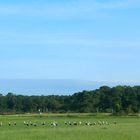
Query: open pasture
x=69, y=127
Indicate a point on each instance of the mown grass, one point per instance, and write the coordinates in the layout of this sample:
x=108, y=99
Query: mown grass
x=127, y=128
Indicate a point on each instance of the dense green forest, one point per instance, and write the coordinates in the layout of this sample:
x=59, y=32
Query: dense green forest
x=116, y=100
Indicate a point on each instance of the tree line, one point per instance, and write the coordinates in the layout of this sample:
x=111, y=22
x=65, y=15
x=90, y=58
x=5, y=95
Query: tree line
x=116, y=100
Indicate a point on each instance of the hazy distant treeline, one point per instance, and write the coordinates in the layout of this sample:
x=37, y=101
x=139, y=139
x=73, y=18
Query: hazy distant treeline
x=117, y=100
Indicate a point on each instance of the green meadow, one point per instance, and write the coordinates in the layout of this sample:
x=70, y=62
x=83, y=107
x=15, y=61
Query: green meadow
x=117, y=128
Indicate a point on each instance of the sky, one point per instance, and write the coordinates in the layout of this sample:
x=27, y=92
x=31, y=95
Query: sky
x=91, y=40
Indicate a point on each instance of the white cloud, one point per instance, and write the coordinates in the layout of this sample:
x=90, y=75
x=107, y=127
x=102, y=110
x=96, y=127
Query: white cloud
x=57, y=39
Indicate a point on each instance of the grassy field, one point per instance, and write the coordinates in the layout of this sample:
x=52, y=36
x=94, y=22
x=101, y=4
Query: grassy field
x=127, y=128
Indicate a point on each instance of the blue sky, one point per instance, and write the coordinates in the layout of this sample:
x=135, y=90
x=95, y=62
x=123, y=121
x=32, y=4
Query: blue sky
x=93, y=40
